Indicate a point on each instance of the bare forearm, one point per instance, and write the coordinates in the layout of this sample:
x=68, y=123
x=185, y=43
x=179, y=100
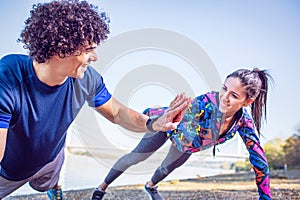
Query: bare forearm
x=117, y=113
x=3, y=135
x=168, y=121
x=132, y=120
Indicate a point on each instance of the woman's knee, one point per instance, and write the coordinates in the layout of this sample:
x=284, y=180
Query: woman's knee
x=134, y=158
x=167, y=169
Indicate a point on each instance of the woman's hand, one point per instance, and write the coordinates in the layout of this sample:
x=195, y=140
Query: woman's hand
x=174, y=114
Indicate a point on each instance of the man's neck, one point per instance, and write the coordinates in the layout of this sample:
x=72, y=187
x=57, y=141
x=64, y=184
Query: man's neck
x=48, y=72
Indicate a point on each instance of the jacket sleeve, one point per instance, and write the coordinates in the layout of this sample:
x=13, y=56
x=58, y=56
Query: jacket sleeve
x=258, y=159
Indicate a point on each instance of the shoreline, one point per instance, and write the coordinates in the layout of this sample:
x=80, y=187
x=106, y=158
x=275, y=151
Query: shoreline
x=284, y=185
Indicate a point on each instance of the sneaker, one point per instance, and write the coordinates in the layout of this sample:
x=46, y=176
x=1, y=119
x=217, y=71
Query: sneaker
x=55, y=194
x=98, y=194
x=152, y=192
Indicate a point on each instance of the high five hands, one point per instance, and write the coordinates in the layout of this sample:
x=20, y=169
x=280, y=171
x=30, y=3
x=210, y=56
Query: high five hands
x=174, y=114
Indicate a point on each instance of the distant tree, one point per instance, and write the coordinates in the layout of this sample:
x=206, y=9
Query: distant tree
x=275, y=153
x=292, y=151
x=241, y=166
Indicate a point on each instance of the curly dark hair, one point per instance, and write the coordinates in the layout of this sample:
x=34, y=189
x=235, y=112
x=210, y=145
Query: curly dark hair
x=62, y=28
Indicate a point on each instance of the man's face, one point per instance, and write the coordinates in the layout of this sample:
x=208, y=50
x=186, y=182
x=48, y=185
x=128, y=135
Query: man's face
x=78, y=63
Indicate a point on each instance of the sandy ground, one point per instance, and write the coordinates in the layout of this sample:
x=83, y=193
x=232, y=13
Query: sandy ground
x=284, y=185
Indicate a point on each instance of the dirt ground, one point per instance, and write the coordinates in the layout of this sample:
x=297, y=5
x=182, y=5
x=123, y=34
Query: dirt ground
x=284, y=185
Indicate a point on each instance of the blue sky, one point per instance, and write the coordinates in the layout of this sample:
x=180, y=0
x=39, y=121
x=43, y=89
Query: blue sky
x=234, y=34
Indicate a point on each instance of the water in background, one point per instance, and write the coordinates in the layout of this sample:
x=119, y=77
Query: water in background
x=82, y=171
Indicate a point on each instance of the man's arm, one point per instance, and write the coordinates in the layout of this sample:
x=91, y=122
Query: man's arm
x=3, y=136
x=117, y=113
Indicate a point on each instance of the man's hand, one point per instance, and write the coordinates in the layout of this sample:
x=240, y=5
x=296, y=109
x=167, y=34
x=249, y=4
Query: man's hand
x=174, y=114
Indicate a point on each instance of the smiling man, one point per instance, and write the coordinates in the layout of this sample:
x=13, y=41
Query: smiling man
x=41, y=94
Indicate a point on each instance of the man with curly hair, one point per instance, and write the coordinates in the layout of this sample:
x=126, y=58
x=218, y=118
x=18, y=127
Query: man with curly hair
x=41, y=94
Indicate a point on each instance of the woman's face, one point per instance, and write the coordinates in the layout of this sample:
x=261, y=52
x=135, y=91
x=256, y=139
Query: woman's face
x=233, y=97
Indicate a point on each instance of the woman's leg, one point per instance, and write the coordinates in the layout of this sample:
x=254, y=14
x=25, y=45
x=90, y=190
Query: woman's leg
x=150, y=143
x=173, y=160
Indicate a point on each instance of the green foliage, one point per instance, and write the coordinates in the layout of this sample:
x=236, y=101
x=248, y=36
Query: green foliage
x=279, y=153
x=242, y=166
x=275, y=153
x=226, y=165
x=292, y=151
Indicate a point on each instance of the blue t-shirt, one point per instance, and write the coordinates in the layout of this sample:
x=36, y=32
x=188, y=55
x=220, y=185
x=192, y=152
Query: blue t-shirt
x=37, y=115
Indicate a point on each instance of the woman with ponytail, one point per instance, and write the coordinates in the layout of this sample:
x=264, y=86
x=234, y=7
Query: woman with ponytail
x=212, y=119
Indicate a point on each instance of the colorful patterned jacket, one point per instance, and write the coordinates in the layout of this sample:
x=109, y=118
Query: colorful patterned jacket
x=199, y=130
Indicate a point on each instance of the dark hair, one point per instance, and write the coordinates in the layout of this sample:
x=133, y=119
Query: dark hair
x=256, y=84
x=62, y=28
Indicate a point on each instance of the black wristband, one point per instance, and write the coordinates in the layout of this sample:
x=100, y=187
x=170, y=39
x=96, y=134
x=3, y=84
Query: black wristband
x=150, y=121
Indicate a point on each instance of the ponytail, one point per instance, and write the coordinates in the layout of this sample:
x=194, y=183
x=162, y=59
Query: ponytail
x=258, y=107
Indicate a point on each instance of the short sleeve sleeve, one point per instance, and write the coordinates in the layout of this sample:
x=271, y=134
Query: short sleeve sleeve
x=98, y=94
x=101, y=97
x=6, y=104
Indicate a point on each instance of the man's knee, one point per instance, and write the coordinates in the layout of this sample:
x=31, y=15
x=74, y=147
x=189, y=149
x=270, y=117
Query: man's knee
x=42, y=184
x=7, y=186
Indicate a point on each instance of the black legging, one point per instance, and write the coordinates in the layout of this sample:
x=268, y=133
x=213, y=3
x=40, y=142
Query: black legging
x=150, y=143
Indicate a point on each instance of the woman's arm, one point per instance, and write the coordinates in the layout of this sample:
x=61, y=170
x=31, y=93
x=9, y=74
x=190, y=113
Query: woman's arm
x=258, y=160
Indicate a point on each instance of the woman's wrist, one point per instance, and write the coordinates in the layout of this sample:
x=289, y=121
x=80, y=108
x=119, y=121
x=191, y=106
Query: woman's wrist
x=151, y=125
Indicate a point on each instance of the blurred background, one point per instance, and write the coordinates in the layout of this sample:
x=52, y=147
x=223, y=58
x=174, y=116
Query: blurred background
x=229, y=34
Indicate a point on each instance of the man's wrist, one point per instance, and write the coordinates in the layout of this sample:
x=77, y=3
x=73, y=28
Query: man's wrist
x=150, y=122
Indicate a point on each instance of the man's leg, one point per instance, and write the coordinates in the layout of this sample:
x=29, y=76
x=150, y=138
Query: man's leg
x=47, y=178
x=7, y=186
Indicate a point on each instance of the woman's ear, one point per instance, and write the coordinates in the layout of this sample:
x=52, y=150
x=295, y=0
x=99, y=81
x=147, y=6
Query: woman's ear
x=248, y=102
